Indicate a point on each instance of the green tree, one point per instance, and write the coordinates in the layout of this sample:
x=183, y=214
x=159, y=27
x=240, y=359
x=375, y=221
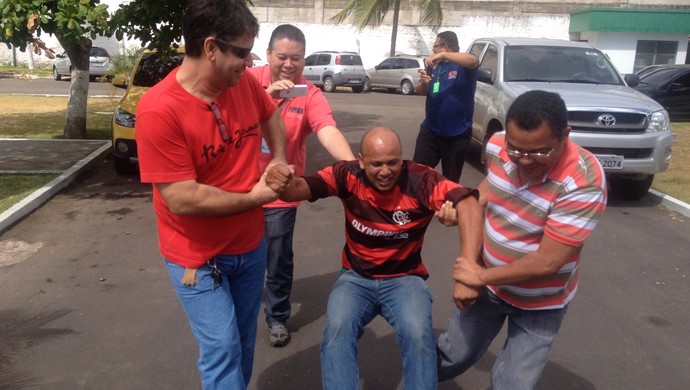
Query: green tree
x=372, y=12
x=74, y=23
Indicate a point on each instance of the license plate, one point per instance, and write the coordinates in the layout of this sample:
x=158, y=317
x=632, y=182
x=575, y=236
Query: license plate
x=611, y=161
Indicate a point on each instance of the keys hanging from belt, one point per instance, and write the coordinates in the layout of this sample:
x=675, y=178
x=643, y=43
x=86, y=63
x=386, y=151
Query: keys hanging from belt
x=216, y=274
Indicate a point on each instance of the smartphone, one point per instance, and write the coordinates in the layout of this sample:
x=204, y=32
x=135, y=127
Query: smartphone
x=297, y=90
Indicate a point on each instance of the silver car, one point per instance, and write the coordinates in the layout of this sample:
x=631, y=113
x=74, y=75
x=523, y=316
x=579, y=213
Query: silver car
x=627, y=131
x=100, y=64
x=395, y=73
x=331, y=69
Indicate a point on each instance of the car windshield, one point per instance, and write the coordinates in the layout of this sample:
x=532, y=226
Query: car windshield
x=154, y=68
x=350, y=59
x=559, y=64
x=658, y=76
x=99, y=52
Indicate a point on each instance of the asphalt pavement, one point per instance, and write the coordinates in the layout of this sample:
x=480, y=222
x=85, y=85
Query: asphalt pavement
x=88, y=304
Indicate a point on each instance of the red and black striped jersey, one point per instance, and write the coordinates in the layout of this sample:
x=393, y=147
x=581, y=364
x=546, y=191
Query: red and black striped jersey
x=385, y=230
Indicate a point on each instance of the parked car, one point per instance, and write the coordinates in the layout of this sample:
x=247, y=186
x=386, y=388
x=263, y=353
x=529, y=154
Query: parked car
x=148, y=70
x=257, y=61
x=100, y=64
x=627, y=131
x=331, y=69
x=395, y=73
x=669, y=85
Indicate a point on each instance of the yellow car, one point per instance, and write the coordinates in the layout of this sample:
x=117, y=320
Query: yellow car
x=148, y=70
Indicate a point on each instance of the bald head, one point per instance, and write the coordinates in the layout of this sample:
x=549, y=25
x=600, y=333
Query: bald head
x=380, y=139
x=381, y=158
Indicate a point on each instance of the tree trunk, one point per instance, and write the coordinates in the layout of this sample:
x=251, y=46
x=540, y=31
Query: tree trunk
x=394, y=34
x=75, y=120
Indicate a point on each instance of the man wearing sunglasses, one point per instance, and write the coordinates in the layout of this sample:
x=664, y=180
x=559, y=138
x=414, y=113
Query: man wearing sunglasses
x=448, y=82
x=303, y=115
x=543, y=195
x=199, y=133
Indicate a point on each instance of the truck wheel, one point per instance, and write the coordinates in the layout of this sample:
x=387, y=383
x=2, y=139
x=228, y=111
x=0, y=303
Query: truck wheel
x=630, y=186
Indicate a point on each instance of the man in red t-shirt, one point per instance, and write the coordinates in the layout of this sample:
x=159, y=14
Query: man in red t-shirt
x=388, y=204
x=198, y=134
x=303, y=116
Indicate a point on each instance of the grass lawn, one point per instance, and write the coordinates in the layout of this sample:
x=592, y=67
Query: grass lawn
x=675, y=181
x=43, y=117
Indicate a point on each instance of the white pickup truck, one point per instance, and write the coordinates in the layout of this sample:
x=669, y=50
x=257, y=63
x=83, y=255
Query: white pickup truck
x=627, y=131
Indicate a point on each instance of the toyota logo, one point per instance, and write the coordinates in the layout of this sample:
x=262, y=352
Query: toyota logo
x=607, y=120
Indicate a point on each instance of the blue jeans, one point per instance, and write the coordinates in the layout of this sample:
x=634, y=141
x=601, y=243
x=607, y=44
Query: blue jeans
x=521, y=362
x=223, y=319
x=354, y=301
x=280, y=225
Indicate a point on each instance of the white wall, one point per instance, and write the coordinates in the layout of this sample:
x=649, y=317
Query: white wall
x=621, y=47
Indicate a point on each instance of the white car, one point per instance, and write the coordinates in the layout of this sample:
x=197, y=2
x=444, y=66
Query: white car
x=100, y=64
x=399, y=72
x=257, y=61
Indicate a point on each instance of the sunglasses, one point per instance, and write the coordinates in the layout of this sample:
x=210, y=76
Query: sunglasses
x=219, y=120
x=241, y=52
x=439, y=45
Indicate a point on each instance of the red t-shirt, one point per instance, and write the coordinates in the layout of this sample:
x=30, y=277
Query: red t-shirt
x=302, y=115
x=178, y=138
x=385, y=230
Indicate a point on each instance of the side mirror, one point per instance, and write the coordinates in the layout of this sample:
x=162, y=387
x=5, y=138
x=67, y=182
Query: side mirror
x=120, y=81
x=632, y=80
x=484, y=75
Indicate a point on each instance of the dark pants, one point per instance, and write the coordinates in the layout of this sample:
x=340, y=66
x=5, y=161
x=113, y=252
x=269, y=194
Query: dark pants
x=280, y=224
x=450, y=151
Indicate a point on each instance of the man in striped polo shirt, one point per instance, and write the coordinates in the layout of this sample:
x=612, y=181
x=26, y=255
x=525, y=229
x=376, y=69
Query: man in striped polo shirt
x=543, y=196
x=388, y=204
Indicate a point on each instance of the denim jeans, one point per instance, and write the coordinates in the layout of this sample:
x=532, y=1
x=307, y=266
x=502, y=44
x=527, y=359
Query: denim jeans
x=521, y=362
x=223, y=318
x=354, y=301
x=280, y=225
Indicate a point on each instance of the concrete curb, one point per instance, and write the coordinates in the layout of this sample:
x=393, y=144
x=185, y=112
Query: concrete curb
x=669, y=202
x=32, y=202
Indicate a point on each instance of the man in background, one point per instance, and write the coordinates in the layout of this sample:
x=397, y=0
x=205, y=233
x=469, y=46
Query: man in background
x=448, y=82
x=303, y=115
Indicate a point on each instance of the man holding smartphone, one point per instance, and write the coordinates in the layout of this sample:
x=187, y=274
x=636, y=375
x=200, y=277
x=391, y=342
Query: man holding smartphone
x=303, y=115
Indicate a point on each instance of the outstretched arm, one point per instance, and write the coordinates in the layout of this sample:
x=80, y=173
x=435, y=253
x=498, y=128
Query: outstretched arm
x=335, y=143
x=297, y=190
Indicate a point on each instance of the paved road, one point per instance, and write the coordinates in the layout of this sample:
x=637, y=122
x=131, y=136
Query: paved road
x=87, y=305
x=47, y=86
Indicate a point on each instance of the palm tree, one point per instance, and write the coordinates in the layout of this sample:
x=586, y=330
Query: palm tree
x=372, y=12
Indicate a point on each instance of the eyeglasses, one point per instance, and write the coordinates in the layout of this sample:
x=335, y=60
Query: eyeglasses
x=219, y=120
x=241, y=52
x=439, y=45
x=536, y=156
